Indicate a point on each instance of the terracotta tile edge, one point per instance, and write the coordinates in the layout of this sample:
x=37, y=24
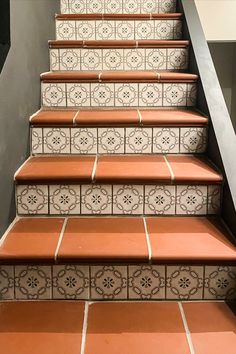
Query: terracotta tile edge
x=149, y=247
x=21, y=167
x=187, y=331
x=169, y=168
x=75, y=117
x=10, y=227
x=85, y=326
x=140, y=116
x=60, y=239
x=94, y=169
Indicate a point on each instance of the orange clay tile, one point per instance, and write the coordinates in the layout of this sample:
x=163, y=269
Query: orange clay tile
x=53, y=117
x=138, y=328
x=189, y=239
x=107, y=117
x=55, y=169
x=212, y=326
x=32, y=240
x=104, y=239
x=41, y=327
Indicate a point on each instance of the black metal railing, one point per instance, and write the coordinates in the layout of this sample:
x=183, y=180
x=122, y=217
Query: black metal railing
x=5, y=36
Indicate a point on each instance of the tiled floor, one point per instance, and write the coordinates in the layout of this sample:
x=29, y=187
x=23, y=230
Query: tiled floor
x=124, y=327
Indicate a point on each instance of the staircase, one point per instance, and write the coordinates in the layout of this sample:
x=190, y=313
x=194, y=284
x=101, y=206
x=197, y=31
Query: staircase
x=118, y=200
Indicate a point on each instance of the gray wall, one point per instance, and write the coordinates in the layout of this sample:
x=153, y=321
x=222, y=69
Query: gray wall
x=32, y=24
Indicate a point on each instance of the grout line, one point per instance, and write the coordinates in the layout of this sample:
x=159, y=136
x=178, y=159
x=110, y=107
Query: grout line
x=170, y=169
x=60, y=238
x=94, y=168
x=75, y=117
x=17, y=218
x=140, y=116
x=148, y=240
x=85, y=326
x=188, y=334
x=20, y=168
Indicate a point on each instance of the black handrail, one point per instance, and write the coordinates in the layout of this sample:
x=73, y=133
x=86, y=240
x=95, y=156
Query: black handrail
x=5, y=36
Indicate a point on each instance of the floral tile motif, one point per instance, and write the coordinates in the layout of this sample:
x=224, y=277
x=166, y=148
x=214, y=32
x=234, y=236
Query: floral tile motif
x=56, y=140
x=220, y=282
x=96, y=199
x=113, y=6
x=95, y=6
x=111, y=140
x=160, y=200
x=138, y=140
x=166, y=6
x=64, y=200
x=6, y=283
x=77, y=6
x=32, y=199
x=193, y=140
x=78, y=95
x=214, y=199
x=126, y=95
x=165, y=140
x=105, y=30
x=69, y=59
x=163, y=29
x=91, y=59
x=108, y=282
x=33, y=282
x=85, y=30
x=131, y=6
x=83, y=140
x=177, y=59
x=102, y=95
x=191, y=95
x=125, y=30
x=65, y=30
x=191, y=200
x=174, y=94
x=184, y=283
x=144, y=29
x=146, y=282
x=36, y=140
x=71, y=282
x=53, y=95
x=156, y=59
x=150, y=95
x=64, y=6
x=149, y=7
x=54, y=59
x=134, y=59
x=113, y=59
x=128, y=199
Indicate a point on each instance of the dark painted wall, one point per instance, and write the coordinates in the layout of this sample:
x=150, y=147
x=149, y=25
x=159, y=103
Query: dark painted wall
x=32, y=24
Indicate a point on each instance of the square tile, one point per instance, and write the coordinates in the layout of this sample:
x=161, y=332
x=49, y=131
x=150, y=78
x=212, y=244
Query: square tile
x=108, y=282
x=174, y=95
x=214, y=199
x=128, y=199
x=32, y=199
x=65, y=30
x=193, y=140
x=111, y=140
x=184, y=283
x=166, y=6
x=146, y=282
x=220, y=283
x=102, y=95
x=53, y=95
x=156, y=59
x=177, y=59
x=64, y=200
x=126, y=95
x=6, y=282
x=64, y=7
x=91, y=59
x=144, y=29
x=77, y=6
x=163, y=29
x=160, y=200
x=191, y=200
x=33, y=282
x=138, y=140
x=70, y=59
x=113, y=59
x=105, y=30
x=134, y=59
x=83, y=140
x=191, y=95
x=95, y=6
x=125, y=30
x=149, y=6
x=113, y=7
x=96, y=199
x=150, y=95
x=71, y=282
x=131, y=6
x=85, y=30
x=56, y=140
x=54, y=59
x=166, y=140
x=36, y=140
x=78, y=95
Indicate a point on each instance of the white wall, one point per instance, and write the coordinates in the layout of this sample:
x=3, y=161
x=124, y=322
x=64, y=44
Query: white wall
x=218, y=19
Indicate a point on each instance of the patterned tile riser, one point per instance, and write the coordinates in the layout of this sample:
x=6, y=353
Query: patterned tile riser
x=119, y=95
x=172, y=59
x=118, y=29
x=118, y=140
x=118, y=282
x=117, y=6
x=94, y=199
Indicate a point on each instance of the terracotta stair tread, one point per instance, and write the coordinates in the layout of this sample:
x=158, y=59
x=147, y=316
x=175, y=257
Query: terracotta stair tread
x=109, y=117
x=118, y=169
x=154, y=16
x=117, y=76
x=109, y=239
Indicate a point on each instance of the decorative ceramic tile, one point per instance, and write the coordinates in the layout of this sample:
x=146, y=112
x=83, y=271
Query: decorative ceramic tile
x=131, y=6
x=91, y=59
x=65, y=30
x=160, y=200
x=126, y=95
x=149, y=6
x=134, y=59
x=71, y=282
x=150, y=95
x=111, y=140
x=102, y=95
x=128, y=199
x=113, y=59
x=37, y=140
x=64, y=6
x=77, y=6
x=32, y=199
x=184, y=283
x=64, y=199
x=105, y=30
x=146, y=282
x=177, y=29
x=113, y=6
x=174, y=94
x=96, y=199
x=156, y=59
x=33, y=283
x=95, y=6
x=177, y=59
x=54, y=95
x=163, y=29
x=78, y=95
x=54, y=59
x=166, y=6
x=85, y=30
x=56, y=140
x=191, y=95
x=144, y=29
x=193, y=140
x=6, y=283
x=70, y=59
x=165, y=140
x=220, y=282
x=108, y=282
x=191, y=200
x=138, y=140
x=83, y=140
x=125, y=30
x=214, y=199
